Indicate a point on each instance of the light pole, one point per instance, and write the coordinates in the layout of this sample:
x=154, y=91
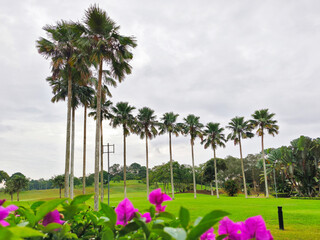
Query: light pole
x=110, y=149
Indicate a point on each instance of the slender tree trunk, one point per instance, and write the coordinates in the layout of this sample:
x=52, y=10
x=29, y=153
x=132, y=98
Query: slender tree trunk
x=124, y=165
x=84, y=149
x=72, y=155
x=97, y=144
x=215, y=173
x=11, y=197
x=60, y=191
x=171, y=169
x=193, y=172
x=102, y=192
x=264, y=168
x=242, y=168
x=147, y=166
x=18, y=196
x=67, y=163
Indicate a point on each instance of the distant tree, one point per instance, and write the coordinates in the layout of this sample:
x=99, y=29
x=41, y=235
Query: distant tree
x=193, y=127
x=58, y=181
x=210, y=172
x=10, y=188
x=145, y=127
x=231, y=187
x=19, y=182
x=263, y=120
x=240, y=129
x=3, y=176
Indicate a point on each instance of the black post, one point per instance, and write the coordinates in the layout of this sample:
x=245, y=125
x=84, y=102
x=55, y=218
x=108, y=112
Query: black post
x=280, y=216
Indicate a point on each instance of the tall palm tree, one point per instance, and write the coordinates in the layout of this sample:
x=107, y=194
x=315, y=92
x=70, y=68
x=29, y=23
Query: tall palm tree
x=213, y=137
x=80, y=93
x=61, y=48
x=105, y=114
x=122, y=116
x=263, y=120
x=240, y=129
x=146, y=128
x=170, y=126
x=193, y=127
x=105, y=45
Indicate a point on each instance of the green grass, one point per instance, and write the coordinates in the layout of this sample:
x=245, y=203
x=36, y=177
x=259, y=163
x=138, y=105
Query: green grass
x=301, y=217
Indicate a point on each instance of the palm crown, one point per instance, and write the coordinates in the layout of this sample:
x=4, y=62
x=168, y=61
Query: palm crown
x=123, y=116
x=169, y=124
x=240, y=129
x=192, y=126
x=213, y=136
x=262, y=119
x=146, y=123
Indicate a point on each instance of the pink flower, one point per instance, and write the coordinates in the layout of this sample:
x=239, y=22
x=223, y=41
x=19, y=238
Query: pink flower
x=226, y=226
x=156, y=197
x=4, y=212
x=125, y=212
x=52, y=217
x=147, y=216
x=208, y=235
x=2, y=201
x=255, y=227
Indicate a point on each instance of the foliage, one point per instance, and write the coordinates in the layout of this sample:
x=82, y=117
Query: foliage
x=231, y=187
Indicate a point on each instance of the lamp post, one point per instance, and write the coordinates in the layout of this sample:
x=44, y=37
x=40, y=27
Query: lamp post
x=110, y=149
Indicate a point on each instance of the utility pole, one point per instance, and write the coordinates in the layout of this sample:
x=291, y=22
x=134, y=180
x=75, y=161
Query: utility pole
x=110, y=149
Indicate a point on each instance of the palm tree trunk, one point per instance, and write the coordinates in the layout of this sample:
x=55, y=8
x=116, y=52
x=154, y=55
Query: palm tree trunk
x=147, y=166
x=242, y=169
x=84, y=149
x=124, y=164
x=60, y=191
x=171, y=170
x=102, y=193
x=72, y=156
x=67, y=163
x=97, y=144
x=264, y=167
x=193, y=172
x=215, y=173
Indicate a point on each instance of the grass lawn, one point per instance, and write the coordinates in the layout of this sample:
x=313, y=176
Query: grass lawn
x=301, y=217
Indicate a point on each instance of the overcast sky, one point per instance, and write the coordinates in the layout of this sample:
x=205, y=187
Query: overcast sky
x=214, y=59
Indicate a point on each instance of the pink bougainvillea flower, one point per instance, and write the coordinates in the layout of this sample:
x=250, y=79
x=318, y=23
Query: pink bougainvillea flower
x=4, y=212
x=2, y=201
x=234, y=230
x=52, y=217
x=125, y=212
x=208, y=235
x=147, y=216
x=255, y=227
x=156, y=197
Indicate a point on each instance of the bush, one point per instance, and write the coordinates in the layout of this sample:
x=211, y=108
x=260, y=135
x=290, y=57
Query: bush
x=231, y=187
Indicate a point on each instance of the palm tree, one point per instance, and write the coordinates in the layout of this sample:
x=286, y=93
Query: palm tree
x=105, y=44
x=214, y=138
x=105, y=114
x=146, y=128
x=193, y=127
x=79, y=94
x=170, y=126
x=123, y=117
x=61, y=48
x=263, y=120
x=240, y=129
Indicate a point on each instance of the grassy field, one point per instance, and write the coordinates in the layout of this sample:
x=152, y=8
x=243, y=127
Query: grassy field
x=301, y=217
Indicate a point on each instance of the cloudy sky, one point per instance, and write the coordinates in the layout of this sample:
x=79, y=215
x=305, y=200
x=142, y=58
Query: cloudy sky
x=214, y=59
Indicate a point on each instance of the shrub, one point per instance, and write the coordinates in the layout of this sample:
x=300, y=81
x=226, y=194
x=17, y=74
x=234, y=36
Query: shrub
x=231, y=187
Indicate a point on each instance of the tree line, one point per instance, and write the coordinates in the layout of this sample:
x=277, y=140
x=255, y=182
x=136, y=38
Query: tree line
x=89, y=57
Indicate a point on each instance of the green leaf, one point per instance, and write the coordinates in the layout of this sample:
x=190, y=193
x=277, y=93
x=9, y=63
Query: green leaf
x=131, y=227
x=152, y=211
x=81, y=199
x=28, y=214
x=25, y=232
x=51, y=227
x=221, y=237
x=184, y=217
x=176, y=233
x=72, y=210
x=35, y=205
x=144, y=227
x=5, y=234
x=162, y=234
x=109, y=212
x=166, y=215
x=107, y=234
x=47, y=207
x=206, y=222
